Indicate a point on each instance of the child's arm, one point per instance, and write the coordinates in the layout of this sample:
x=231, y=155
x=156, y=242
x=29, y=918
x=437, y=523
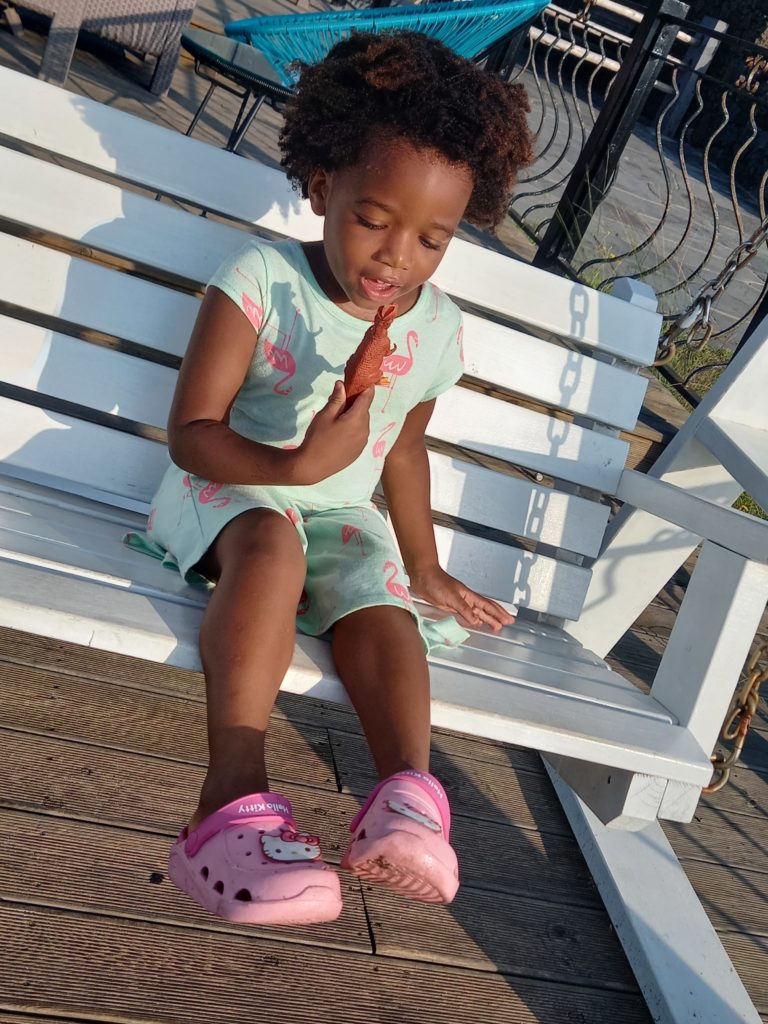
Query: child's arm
x=406, y=487
x=200, y=440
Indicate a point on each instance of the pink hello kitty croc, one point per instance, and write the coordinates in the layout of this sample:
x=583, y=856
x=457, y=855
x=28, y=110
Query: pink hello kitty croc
x=400, y=838
x=248, y=863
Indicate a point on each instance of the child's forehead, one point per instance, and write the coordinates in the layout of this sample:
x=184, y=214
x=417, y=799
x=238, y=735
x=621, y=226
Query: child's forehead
x=388, y=161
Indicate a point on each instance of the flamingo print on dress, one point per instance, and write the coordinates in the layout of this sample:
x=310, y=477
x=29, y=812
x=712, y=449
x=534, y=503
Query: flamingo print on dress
x=398, y=364
x=350, y=532
x=281, y=359
x=254, y=313
x=396, y=589
x=208, y=496
x=380, y=445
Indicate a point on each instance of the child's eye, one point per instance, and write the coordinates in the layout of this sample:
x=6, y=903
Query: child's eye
x=435, y=246
x=367, y=224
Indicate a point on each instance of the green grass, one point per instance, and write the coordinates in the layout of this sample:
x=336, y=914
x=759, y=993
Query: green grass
x=686, y=360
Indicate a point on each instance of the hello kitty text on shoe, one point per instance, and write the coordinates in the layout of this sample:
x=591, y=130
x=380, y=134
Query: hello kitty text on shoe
x=249, y=863
x=400, y=838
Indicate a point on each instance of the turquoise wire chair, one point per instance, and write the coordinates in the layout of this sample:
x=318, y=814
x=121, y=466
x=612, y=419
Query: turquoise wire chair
x=468, y=26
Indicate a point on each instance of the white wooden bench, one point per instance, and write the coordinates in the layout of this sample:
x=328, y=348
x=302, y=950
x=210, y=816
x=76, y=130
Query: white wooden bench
x=100, y=288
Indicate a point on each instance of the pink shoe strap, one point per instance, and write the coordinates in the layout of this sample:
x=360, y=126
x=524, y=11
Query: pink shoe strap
x=239, y=812
x=425, y=781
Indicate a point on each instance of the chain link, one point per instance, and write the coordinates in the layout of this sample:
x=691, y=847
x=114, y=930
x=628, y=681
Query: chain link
x=697, y=319
x=743, y=710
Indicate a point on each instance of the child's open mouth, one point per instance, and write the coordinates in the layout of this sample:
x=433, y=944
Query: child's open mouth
x=377, y=290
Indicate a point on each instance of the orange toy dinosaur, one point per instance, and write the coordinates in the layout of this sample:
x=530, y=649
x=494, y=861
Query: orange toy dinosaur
x=364, y=365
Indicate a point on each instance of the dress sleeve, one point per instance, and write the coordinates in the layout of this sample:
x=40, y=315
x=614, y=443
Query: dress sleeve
x=451, y=364
x=243, y=277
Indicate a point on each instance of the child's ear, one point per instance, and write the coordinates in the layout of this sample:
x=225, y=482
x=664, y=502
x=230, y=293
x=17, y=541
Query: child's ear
x=317, y=190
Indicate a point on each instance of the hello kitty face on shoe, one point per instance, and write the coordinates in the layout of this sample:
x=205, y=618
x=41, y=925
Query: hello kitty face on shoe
x=410, y=812
x=290, y=846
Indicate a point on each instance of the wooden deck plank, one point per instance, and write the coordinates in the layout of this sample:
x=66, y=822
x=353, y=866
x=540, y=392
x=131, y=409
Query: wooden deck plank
x=110, y=715
x=735, y=899
x=118, y=969
x=86, y=662
x=129, y=790
x=488, y=792
x=749, y=955
x=107, y=870
x=136, y=791
x=509, y=934
x=734, y=840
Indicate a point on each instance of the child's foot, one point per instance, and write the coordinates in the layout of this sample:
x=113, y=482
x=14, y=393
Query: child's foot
x=400, y=838
x=248, y=863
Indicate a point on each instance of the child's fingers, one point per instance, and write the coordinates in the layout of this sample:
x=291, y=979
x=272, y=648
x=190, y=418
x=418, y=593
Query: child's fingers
x=362, y=403
x=491, y=613
x=338, y=395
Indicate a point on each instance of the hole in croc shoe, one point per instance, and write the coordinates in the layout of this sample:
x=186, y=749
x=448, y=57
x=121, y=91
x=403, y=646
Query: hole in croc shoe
x=204, y=872
x=363, y=834
x=219, y=888
x=243, y=895
x=248, y=853
x=240, y=836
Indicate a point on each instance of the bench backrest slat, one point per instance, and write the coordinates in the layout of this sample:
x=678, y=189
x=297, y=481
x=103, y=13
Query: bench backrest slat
x=90, y=297
x=159, y=159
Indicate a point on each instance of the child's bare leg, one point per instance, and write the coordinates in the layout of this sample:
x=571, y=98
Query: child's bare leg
x=379, y=655
x=246, y=644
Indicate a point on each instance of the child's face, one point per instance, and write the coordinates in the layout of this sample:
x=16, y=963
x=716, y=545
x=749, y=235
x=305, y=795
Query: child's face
x=388, y=221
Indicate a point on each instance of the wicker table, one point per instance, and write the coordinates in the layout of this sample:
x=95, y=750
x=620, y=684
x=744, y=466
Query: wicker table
x=239, y=69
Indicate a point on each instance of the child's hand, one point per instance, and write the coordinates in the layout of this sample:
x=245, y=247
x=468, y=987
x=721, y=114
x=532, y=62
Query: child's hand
x=445, y=592
x=334, y=438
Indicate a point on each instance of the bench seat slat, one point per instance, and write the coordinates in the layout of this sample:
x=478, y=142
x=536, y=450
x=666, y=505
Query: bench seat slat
x=163, y=160
x=65, y=607
x=33, y=500
x=511, y=575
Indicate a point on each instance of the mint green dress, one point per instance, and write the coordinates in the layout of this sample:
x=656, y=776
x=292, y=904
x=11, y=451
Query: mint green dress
x=304, y=341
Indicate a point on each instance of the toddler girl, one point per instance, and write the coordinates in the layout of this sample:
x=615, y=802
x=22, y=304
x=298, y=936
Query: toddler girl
x=394, y=139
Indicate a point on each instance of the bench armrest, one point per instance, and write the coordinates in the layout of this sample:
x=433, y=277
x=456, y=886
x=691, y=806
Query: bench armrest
x=736, y=531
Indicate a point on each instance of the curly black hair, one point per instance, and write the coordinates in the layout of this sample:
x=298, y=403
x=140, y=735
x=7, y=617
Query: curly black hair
x=409, y=86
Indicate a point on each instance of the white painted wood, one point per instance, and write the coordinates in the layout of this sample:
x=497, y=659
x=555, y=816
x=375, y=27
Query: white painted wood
x=117, y=618
x=479, y=495
x=619, y=799
x=676, y=955
x=88, y=295
x=162, y=160
x=679, y=802
x=551, y=446
x=94, y=376
x=710, y=641
x=114, y=220
x=162, y=318
x=640, y=553
x=729, y=528
x=79, y=457
x=743, y=450
x=552, y=374
x=507, y=573
x=512, y=575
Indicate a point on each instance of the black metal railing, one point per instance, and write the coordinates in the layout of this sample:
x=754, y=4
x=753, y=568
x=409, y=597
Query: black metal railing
x=652, y=158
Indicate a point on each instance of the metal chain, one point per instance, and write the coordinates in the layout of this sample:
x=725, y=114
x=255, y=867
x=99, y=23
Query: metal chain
x=698, y=316
x=743, y=710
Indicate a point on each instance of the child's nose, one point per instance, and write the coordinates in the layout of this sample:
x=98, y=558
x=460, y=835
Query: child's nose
x=396, y=252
